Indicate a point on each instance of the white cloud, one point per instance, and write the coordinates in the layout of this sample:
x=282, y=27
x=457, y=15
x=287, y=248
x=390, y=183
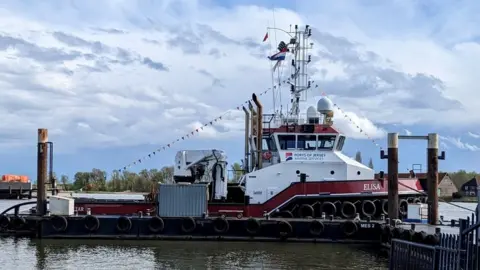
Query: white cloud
x=474, y=135
x=119, y=73
x=357, y=127
x=457, y=142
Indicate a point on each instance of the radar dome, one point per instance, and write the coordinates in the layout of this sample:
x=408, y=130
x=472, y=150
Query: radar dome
x=311, y=112
x=324, y=105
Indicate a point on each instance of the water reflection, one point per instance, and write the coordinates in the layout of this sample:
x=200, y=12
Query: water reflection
x=93, y=254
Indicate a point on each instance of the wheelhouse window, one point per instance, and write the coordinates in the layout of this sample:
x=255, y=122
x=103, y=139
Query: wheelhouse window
x=287, y=142
x=269, y=144
x=307, y=142
x=341, y=141
x=326, y=142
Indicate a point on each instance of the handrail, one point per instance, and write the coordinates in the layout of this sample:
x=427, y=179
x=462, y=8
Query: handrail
x=17, y=207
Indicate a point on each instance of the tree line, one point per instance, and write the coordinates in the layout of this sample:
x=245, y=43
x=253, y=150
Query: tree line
x=143, y=181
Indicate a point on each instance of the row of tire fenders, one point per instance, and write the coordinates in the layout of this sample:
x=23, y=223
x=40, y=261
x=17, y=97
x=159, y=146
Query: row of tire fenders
x=391, y=232
x=156, y=225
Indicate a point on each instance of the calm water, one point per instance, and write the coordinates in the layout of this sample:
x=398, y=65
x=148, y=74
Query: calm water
x=73, y=254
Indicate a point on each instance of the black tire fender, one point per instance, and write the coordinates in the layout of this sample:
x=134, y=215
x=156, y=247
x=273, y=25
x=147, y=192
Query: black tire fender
x=220, y=225
x=124, y=224
x=188, y=225
x=350, y=228
x=59, y=223
x=156, y=224
x=316, y=228
x=92, y=223
x=253, y=226
x=285, y=229
x=4, y=222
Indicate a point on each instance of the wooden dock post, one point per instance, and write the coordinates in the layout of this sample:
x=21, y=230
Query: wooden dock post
x=393, y=176
x=42, y=162
x=432, y=178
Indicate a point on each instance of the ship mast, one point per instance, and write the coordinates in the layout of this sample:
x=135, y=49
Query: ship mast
x=299, y=80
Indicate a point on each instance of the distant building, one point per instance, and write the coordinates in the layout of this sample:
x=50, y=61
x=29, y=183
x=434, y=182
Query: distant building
x=446, y=187
x=469, y=189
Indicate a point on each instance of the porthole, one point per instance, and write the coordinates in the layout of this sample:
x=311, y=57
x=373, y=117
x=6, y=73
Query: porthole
x=332, y=172
x=358, y=172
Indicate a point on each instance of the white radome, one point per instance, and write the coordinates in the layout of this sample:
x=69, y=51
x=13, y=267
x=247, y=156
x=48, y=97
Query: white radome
x=324, y=105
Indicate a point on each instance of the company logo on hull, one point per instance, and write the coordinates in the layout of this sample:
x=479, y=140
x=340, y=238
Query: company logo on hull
x=288, y=156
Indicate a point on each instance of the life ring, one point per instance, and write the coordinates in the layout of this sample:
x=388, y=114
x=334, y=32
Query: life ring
x=285, y=229
x=349, y=210
x=156, y=224
x=124, y=224
x=305, y=210
x=220, y=225
x=19, y=222
x=316, y=228
x=4, y=222
x=267, y=155
x=59, y=223
x=350, y=228
x=92, y=223
x=188, y=225
x=253, y=226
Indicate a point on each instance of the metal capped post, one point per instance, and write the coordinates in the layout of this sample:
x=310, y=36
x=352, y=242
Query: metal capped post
x=42, y=164
x=432, y=178
x=393, y=176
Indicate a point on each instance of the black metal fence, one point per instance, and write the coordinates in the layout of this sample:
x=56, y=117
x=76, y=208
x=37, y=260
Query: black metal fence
x=454, y=252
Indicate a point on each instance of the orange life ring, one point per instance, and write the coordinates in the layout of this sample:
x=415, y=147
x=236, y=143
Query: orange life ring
x=267, y=155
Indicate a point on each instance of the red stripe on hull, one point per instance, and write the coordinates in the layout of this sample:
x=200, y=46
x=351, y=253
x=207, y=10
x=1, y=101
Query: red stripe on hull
x=257, y=210
x=315, y=188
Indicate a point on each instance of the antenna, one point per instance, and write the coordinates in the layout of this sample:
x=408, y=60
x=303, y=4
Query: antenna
x=299, y=79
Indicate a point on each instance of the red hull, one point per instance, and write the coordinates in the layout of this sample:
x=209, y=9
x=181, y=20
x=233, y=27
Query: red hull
x=308, y=189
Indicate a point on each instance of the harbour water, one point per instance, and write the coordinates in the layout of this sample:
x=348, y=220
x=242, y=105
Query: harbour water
x=73, y=254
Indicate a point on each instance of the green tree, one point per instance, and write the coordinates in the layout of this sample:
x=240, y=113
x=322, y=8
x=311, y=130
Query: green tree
x=370, y=163
x=358, y=156
x=237, y=171
x=64, y=181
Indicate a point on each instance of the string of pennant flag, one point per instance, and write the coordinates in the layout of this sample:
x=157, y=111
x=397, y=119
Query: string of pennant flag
x=360, y=129
x=220, y=117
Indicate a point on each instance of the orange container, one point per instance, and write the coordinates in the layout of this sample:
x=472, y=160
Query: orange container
x=15, y=178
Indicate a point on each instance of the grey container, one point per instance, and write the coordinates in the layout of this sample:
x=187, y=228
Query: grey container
x=178, y=200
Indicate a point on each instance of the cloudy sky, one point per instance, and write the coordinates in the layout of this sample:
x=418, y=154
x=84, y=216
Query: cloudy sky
x=115, y=80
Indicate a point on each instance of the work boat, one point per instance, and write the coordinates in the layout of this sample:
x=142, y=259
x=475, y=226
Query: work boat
x=293, y=164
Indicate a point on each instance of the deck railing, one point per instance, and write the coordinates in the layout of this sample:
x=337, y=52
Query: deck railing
x=454, y=252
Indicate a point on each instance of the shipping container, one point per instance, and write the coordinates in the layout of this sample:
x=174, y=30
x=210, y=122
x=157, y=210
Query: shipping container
x=179, y=200
x=15, y=178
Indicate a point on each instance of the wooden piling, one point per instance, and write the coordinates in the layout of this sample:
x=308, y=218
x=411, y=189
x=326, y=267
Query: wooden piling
x=393, y=176
x=42, y=164
x=432, y=178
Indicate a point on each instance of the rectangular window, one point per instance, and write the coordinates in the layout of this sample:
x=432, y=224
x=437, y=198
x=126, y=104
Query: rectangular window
x=269, y=144
x=307, y=142
x=326, y=142
x=341, y=141
x=287, y=142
